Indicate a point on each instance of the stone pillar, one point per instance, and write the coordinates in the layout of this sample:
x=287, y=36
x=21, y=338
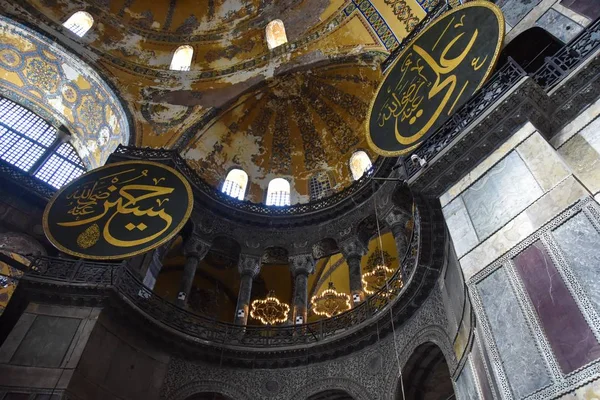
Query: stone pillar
x=397, y=219
x=194, y=251
x=353, y=249
x=301, y=266
x=249, y=267
x=155, y=265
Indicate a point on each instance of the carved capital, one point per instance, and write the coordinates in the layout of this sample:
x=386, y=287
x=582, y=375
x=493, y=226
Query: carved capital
x=302, y=264
x=353, y=247
x=397, y=217
x=196, y=247
x=249, y=265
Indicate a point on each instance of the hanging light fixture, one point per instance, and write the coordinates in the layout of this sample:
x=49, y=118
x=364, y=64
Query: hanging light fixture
x=376, y=278
x=269, y=311
x=330, y=302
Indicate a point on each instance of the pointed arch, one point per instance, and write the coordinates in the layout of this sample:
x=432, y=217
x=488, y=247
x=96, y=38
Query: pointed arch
x=235, y=184
x=275, y=32
x=79, y=23
x=182, y=58
x=278, y=192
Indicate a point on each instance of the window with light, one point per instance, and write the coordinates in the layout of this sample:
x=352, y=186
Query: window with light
x=278, y=192
x=182, y=58
x=79, y=23
x=32, y=145
x=359, y=164
x=235, y=184
x=320, y=186
x=275, y=32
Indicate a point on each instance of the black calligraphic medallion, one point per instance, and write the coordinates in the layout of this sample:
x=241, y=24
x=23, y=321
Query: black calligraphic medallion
x=436, y=74
x=119, y=210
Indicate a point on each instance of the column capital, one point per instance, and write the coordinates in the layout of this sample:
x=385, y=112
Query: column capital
x=397, y=216
x=303, y=264
x=353, y=247
x=249, y=265
x=196, y=247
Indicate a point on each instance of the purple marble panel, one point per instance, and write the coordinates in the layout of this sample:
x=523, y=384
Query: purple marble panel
x=568, y=333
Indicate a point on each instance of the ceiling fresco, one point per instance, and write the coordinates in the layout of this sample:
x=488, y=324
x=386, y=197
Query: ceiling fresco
x=296, y=125
x=132, y=42
x=45, y=78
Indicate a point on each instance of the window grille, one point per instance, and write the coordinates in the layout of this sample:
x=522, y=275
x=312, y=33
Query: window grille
x=79, y=23
x=182, y=58
x=25, y=138
x=319, y=186
x=235, y=184
x=278, y=192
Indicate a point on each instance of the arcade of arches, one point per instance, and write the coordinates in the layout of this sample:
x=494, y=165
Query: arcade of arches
x=311, y=268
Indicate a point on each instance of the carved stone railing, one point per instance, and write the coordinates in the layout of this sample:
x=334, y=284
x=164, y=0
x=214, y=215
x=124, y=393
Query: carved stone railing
x=569, y=57
x=122, y=280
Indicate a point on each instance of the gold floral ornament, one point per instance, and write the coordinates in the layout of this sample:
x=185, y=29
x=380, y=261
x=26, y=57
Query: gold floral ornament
x=374, y=280
x=330, y=302
x=270, y=311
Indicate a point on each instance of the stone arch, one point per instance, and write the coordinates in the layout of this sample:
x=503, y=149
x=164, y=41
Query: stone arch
x=324, y=248
x=434, y=334
x=52, y=82
x=351, y=387
x=332, y=394
x=227, y=389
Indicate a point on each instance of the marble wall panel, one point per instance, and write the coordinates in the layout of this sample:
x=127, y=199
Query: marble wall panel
x=515, y=10
x=479, y=368
x=501, y=194
x=568, y=333
x=523, y=365
x=580, y=243
x=460, y=226
x=589, y=8
x=584, y=160
x=465, y=385
x=559, y=25
x=542, y=160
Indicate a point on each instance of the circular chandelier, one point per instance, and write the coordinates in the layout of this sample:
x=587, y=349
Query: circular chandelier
x=375, y=279
x=330, y=302
x=270, y=311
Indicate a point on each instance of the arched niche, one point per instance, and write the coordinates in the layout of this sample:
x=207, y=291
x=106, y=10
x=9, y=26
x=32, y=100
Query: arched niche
x=425, y=375
x=334, y=394
x=530, y=48
x=45, y=78
x=209, y=396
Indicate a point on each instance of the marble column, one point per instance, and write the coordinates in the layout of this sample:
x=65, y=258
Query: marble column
x=248, y=267
x=194, y=251
x=353, y=249
x=155, y=264
x=301, y=266
x=396, y=220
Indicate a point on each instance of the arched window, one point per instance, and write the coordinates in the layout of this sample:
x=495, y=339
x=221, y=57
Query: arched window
x=319, y=185
x=276, y=34
x=79, y=23
x=31, y=144
x=359, y=164
x=278, y=192
x=182, y=58
x=235, y=184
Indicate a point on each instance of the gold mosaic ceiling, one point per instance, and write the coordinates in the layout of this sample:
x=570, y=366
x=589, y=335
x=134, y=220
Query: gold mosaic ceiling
x=294, y=126
x=132, y=42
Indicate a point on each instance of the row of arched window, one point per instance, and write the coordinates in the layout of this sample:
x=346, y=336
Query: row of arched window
x=81, y=22
x=34, y=146
x=278, y=190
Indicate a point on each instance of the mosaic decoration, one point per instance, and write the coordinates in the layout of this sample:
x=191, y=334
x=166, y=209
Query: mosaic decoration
x=9, y=279
x=404, y=13
x=46, y=79
x=377, y=22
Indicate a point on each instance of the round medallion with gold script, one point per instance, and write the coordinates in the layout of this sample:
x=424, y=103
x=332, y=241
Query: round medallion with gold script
x=434, y=76
x=119, y=210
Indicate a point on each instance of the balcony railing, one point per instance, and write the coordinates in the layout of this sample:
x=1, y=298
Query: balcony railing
x=120, y=278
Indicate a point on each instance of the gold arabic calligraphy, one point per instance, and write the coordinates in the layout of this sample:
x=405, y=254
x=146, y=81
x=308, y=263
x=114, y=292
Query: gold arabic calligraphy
x=95, y=201
x=404, y=102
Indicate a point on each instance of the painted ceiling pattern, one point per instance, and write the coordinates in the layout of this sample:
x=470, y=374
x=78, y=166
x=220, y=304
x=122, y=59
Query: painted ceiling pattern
x=293, y=127
x=132, y=42
x=51, y=82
